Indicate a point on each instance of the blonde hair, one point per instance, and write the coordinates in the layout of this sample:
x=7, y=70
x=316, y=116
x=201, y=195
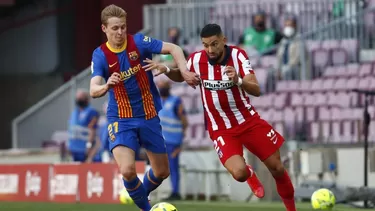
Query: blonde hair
x=112, y=11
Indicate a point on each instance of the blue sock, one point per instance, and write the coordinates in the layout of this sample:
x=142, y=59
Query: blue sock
x=138, y=192
x=151, y=182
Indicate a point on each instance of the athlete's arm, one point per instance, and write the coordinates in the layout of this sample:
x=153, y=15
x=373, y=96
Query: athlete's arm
x=177, y=54
x=246, y=73
x=159, y=47
x=98, y=75
x=174, y=73
x=250, y=85
x=97, y=89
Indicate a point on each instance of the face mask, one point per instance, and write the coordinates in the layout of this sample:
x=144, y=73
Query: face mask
x=289, y=31
x=164, y=92
x=260, y=25
x=81, y=103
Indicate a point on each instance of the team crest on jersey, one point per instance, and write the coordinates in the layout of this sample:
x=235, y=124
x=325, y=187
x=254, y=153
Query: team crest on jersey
x=217, y=85
x=133, y=55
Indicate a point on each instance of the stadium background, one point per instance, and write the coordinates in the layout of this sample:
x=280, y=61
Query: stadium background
x=46, y=50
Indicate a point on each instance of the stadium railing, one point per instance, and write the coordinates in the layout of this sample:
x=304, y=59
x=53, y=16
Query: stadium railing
x=333, y=44
x=235, y=16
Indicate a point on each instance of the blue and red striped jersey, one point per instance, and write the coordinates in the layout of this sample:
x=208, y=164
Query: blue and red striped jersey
x=136, y=96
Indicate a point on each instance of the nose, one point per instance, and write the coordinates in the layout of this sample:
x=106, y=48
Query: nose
x=210, y=50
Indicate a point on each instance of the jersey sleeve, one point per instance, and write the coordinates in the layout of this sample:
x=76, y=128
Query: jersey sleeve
x=189, y=64
x=244, y=64
x=98, y=63
x=149, y=44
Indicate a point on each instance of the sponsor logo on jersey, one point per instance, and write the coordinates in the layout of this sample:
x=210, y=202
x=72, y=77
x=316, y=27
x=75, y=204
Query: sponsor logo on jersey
x=217, y=85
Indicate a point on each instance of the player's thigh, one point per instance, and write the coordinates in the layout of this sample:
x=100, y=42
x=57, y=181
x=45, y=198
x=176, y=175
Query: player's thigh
x=124, y=145
x=262, y=140
x=151, y=137
x=226, y=147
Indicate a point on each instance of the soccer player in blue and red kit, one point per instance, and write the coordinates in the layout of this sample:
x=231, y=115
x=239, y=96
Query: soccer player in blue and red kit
x=134, y=101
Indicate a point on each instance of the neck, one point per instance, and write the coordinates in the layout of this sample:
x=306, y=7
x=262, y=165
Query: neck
x=222, y=57
x=116, y=46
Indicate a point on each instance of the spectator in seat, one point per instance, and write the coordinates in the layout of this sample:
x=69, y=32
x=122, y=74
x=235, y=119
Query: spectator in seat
x=259, y=39
x=174, y=124
x=289, y=52
x=174, y=36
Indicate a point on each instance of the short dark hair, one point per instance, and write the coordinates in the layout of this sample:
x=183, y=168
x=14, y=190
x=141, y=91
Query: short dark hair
x=210, y=30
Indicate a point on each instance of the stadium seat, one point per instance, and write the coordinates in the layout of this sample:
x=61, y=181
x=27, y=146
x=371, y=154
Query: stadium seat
x=340, y=84
x=339, y=56
x=352, y=69
x=352, y=48
x=365, y=69
x=327, y=84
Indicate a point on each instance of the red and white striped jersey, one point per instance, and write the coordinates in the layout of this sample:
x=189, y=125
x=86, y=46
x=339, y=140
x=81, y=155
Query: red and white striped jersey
x=226, y=104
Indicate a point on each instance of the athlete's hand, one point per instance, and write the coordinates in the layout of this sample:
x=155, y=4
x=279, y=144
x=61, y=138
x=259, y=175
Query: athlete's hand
x=192, y=79
x=153, y=65
x=231, y=73
x=113, y=80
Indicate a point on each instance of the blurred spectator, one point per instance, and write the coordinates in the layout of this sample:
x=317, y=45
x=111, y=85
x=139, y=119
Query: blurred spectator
x=289, y=52
x=103, y=136
x=83, y=140
x=174, y=36
x=174, y=124
x=259, y=38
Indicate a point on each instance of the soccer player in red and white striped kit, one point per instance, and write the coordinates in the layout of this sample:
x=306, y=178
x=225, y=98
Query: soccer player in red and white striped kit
x=226, y=76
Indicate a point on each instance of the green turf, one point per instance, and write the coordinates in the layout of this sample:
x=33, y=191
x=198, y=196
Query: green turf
x=182, y=206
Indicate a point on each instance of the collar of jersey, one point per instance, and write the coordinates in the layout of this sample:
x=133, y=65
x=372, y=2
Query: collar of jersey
x=226, y=57
x=115, y=50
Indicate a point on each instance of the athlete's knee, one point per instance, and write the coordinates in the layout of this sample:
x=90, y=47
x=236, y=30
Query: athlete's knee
x=274, y=165
x=240, y=173
x=277, y=169
x=161, y=172
x=128, y=171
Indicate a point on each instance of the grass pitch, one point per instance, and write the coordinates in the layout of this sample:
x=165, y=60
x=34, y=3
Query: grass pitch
x=181, y=206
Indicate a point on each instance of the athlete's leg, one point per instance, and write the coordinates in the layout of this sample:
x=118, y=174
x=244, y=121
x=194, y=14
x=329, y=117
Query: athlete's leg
x=123, y=148
x=283, y=182
x=265, y=143
x=152, y=140
x=230, y=152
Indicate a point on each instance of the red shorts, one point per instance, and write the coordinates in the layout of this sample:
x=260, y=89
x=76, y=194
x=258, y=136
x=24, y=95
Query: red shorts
x=256, y=135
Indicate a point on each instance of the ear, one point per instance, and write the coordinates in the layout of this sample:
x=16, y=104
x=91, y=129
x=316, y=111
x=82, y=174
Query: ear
x=225, y=39
x=104, y=29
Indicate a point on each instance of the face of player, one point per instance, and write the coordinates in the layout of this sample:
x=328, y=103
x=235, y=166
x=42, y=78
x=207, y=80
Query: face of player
x=115, y=31
x=214, y=46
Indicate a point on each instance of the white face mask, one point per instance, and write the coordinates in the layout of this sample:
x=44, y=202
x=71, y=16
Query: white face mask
x=288, y=31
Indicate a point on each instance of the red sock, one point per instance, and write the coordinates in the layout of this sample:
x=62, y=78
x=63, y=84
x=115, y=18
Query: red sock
x=286, y=191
